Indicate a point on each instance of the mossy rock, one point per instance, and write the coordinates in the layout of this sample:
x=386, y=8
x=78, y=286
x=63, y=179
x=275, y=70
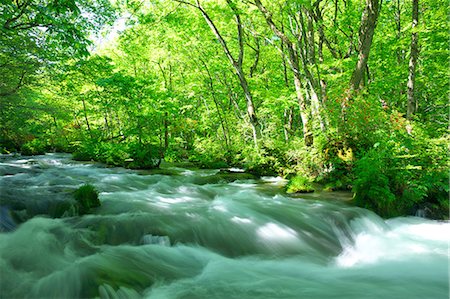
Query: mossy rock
x=212, y=164
x=160, y=171
x=87, y=198
x=224, y=177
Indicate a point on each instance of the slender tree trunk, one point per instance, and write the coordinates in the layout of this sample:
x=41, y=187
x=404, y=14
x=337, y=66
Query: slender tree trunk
x=216, y=102
x=312, y=71
x=257, y=53
x=236, y=63
x=86, y=117
x=412, y=101
x=283, y=57
x=119, y=124
x=166, y=131
x=288, y=121
x=105, y=118
x=366, y=31
x=307, y=132
x=233, y=103
x=398, y=27
x=295, y=66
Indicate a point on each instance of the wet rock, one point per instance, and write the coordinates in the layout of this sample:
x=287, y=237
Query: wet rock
x=223, y=177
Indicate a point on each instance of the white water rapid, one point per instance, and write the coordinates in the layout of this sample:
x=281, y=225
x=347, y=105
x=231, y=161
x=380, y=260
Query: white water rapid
x=191, y=234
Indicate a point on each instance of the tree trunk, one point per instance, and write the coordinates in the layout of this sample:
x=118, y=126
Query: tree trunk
x=166, y=131
x=307, y=132
x=105, y=118
x=216, y=102
x=257, y=53
x=412, y=101
x=312, y=71
x=236, y=64
x=287, y=123
x=366, y=31
x=295, y=66
x=86, y=117
x=398, y=27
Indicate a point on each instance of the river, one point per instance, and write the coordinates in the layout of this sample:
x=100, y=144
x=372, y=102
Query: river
x=193, y=235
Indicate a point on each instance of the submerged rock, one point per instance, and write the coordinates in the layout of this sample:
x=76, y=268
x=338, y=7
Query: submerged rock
x=158, y=240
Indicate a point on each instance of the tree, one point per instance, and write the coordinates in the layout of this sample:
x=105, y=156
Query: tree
x=294, y=62
x=366, y=31
x=36, y=33
x=412, y=102
x=235, y=63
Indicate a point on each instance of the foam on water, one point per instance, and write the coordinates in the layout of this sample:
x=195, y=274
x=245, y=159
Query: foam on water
x=158, y=236
x=405, y=240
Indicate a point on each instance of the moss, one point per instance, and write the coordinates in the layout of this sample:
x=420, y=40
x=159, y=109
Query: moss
x=87, y=198
x=300, y=184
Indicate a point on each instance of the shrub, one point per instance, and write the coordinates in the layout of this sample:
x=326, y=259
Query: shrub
x=307, y=161
x=299, y=184
x=144, y=156
x=402, y=174
x=371, y=187
x=33, y=147
x=209, y=154
x=113, y=154
x=85, y=151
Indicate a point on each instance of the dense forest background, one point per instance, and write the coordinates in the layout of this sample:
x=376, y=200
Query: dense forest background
x=333, y=94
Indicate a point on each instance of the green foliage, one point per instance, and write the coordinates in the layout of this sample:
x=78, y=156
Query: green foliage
x=85, y=152
x=34, y=147
x=112, y=153
x=86, y=197
x=299, y=184
x=403, y=173
x=209, y=155
x=270, y=159
x=372, y=184
x=130, y=155
x=164, y=88
x=303, y=160
x=144, y=156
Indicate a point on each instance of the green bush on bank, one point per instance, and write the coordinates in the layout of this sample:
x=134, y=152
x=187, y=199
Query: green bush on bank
x=300, y=184
x=130, y=155
x=402, y=174
x=34, y=147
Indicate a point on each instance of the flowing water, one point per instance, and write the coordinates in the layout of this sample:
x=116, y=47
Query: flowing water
x=193, y=235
